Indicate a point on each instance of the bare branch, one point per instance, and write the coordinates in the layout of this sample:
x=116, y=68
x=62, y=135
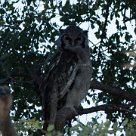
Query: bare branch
x=106, y=107
x=66, y=114
x=113, y=91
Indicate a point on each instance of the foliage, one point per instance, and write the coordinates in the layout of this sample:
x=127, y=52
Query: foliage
x=25, y=126
x=29, y=29
x=51, y=131
x=96, y=128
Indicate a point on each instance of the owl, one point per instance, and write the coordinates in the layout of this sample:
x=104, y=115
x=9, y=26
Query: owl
x=67, y=80
x=75, y=40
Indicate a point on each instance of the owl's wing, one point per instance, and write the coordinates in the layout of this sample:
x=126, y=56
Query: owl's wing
x=54, y=80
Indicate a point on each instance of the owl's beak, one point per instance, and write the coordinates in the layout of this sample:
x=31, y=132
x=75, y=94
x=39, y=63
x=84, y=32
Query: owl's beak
x=73, y=43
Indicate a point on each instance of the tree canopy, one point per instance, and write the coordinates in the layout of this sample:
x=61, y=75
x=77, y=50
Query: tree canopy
x=28, y=31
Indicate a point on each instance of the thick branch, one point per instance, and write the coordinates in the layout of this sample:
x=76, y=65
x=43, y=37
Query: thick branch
x=93, y=85
x=106, y=107
x=66, y=114
x=113, y=91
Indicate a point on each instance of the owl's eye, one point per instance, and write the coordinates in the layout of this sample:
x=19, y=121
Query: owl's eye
x=67, y=38
x=78, y=39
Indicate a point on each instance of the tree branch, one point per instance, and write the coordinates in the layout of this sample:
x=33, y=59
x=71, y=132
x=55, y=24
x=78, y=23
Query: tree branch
x=66, y=114
x=106, y=107
x=113, y=91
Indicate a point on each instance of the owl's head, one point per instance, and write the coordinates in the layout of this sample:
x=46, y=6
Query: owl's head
x=73, y=36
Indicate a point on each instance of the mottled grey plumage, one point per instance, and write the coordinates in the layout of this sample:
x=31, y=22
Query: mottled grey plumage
x=75, y=40
x=67, y=81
